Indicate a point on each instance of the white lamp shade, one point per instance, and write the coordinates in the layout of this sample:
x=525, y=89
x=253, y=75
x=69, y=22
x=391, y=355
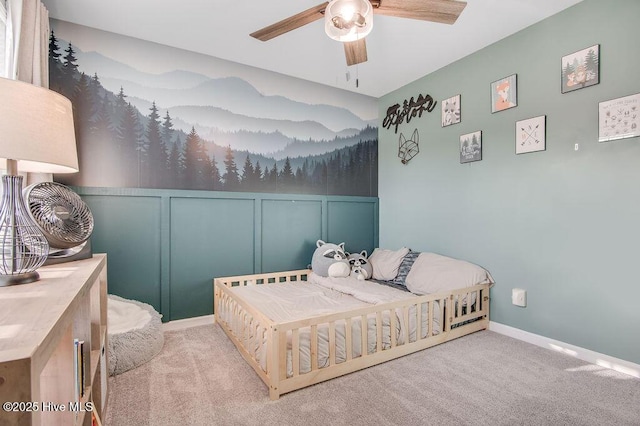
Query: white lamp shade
x=36, y=129
x=348, y=20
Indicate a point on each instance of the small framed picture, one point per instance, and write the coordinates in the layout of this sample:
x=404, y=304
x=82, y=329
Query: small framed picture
x=471, y=147
x=504, y=93
x=530, y=135
x=451, y=111
x=619, y=118
x=581, y=69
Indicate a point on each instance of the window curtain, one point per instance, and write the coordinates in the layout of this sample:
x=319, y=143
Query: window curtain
x=3, y=38
x=28, y=51
x=28, y=38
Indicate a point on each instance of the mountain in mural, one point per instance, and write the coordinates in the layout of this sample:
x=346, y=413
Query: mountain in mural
x=114, y=70
x=187, y=89
x=169, y=142
x=295, y=148
x=214, y=121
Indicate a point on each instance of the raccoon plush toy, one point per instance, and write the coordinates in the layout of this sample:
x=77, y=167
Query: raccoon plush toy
x=330, y=260
x=360, y=267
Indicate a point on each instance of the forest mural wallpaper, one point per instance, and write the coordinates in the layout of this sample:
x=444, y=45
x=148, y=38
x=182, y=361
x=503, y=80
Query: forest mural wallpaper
x=152, y=116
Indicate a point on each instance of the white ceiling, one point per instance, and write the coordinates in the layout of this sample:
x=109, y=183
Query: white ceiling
x=400, y=50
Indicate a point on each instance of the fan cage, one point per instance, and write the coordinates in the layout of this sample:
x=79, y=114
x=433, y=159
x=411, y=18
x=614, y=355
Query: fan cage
x=63, y=217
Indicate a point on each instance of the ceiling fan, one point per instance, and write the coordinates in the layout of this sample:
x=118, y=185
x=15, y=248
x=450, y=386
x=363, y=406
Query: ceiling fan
x=350, y=21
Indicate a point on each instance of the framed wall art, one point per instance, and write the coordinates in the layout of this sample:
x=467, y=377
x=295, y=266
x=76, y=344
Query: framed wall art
x=581, y=69
x=471, y=147
x=530, y=135
x=504, y=93
x=619, y=118
x=451, y=111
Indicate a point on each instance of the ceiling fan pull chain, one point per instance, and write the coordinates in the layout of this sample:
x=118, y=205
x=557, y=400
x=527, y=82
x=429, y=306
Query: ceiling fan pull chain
x=357, y=76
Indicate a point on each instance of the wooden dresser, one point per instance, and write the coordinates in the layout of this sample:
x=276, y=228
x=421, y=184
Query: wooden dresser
x=46, y=329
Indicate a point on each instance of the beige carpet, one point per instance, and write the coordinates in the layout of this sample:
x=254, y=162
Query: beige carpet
x=199, y=378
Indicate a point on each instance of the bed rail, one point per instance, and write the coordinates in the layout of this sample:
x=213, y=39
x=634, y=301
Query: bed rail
x=448, y=316
x=266, y=278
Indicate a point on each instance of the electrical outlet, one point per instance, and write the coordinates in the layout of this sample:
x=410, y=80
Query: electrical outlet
x=519, y=297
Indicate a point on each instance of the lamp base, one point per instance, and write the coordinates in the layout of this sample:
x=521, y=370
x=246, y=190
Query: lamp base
x=23, y=246
x=26, y=278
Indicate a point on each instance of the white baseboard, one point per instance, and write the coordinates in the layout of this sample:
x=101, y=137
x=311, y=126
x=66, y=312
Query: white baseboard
x=587, y=355
x=188, y=322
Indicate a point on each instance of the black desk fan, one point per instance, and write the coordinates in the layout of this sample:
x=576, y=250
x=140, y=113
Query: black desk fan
x=65, y=220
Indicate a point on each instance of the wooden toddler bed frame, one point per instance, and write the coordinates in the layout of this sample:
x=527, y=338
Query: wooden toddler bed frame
x=245, y=319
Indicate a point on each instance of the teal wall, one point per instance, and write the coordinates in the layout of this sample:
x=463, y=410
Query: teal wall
x=562, y=224
x=165, y=246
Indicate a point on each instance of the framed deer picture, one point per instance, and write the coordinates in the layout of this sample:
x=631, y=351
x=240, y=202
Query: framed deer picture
x=581, y=69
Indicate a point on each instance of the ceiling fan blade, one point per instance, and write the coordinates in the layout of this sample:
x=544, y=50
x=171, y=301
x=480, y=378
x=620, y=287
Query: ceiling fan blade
x=442, y=11
x=291, y=23
x=355, y=51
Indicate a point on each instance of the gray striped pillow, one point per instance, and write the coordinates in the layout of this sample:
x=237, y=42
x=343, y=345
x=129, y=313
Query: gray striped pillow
x=405, y=267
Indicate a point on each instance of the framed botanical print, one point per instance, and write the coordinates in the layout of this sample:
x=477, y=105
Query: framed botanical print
x=530, y=135
x=619, y=118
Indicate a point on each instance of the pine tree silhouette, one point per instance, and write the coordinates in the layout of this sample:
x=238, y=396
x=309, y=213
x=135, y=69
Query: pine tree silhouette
x=217, y=179
x=175, y=160
x=247, y=182
x=193, y=162
x=55, y=77
x=230, y=177
x=156, y=158
x=69, y=72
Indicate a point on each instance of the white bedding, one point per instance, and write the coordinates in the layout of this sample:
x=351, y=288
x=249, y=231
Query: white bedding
x=292, y=301
x=366, y=291
x=285, y=302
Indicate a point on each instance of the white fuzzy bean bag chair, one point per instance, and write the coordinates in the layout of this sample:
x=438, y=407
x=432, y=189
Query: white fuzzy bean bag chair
x=134, y=333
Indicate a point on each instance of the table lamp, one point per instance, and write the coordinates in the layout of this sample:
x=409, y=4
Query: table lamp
x=36, y=135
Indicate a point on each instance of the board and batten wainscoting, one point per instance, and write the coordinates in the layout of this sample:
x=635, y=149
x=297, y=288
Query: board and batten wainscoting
x=166, y=246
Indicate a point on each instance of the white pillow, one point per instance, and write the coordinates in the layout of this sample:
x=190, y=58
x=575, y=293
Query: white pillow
x=385, y=263
x=434, y=273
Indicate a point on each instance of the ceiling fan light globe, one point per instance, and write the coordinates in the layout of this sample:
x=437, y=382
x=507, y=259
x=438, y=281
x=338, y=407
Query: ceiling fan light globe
x=348, y=20
x=348, y=11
